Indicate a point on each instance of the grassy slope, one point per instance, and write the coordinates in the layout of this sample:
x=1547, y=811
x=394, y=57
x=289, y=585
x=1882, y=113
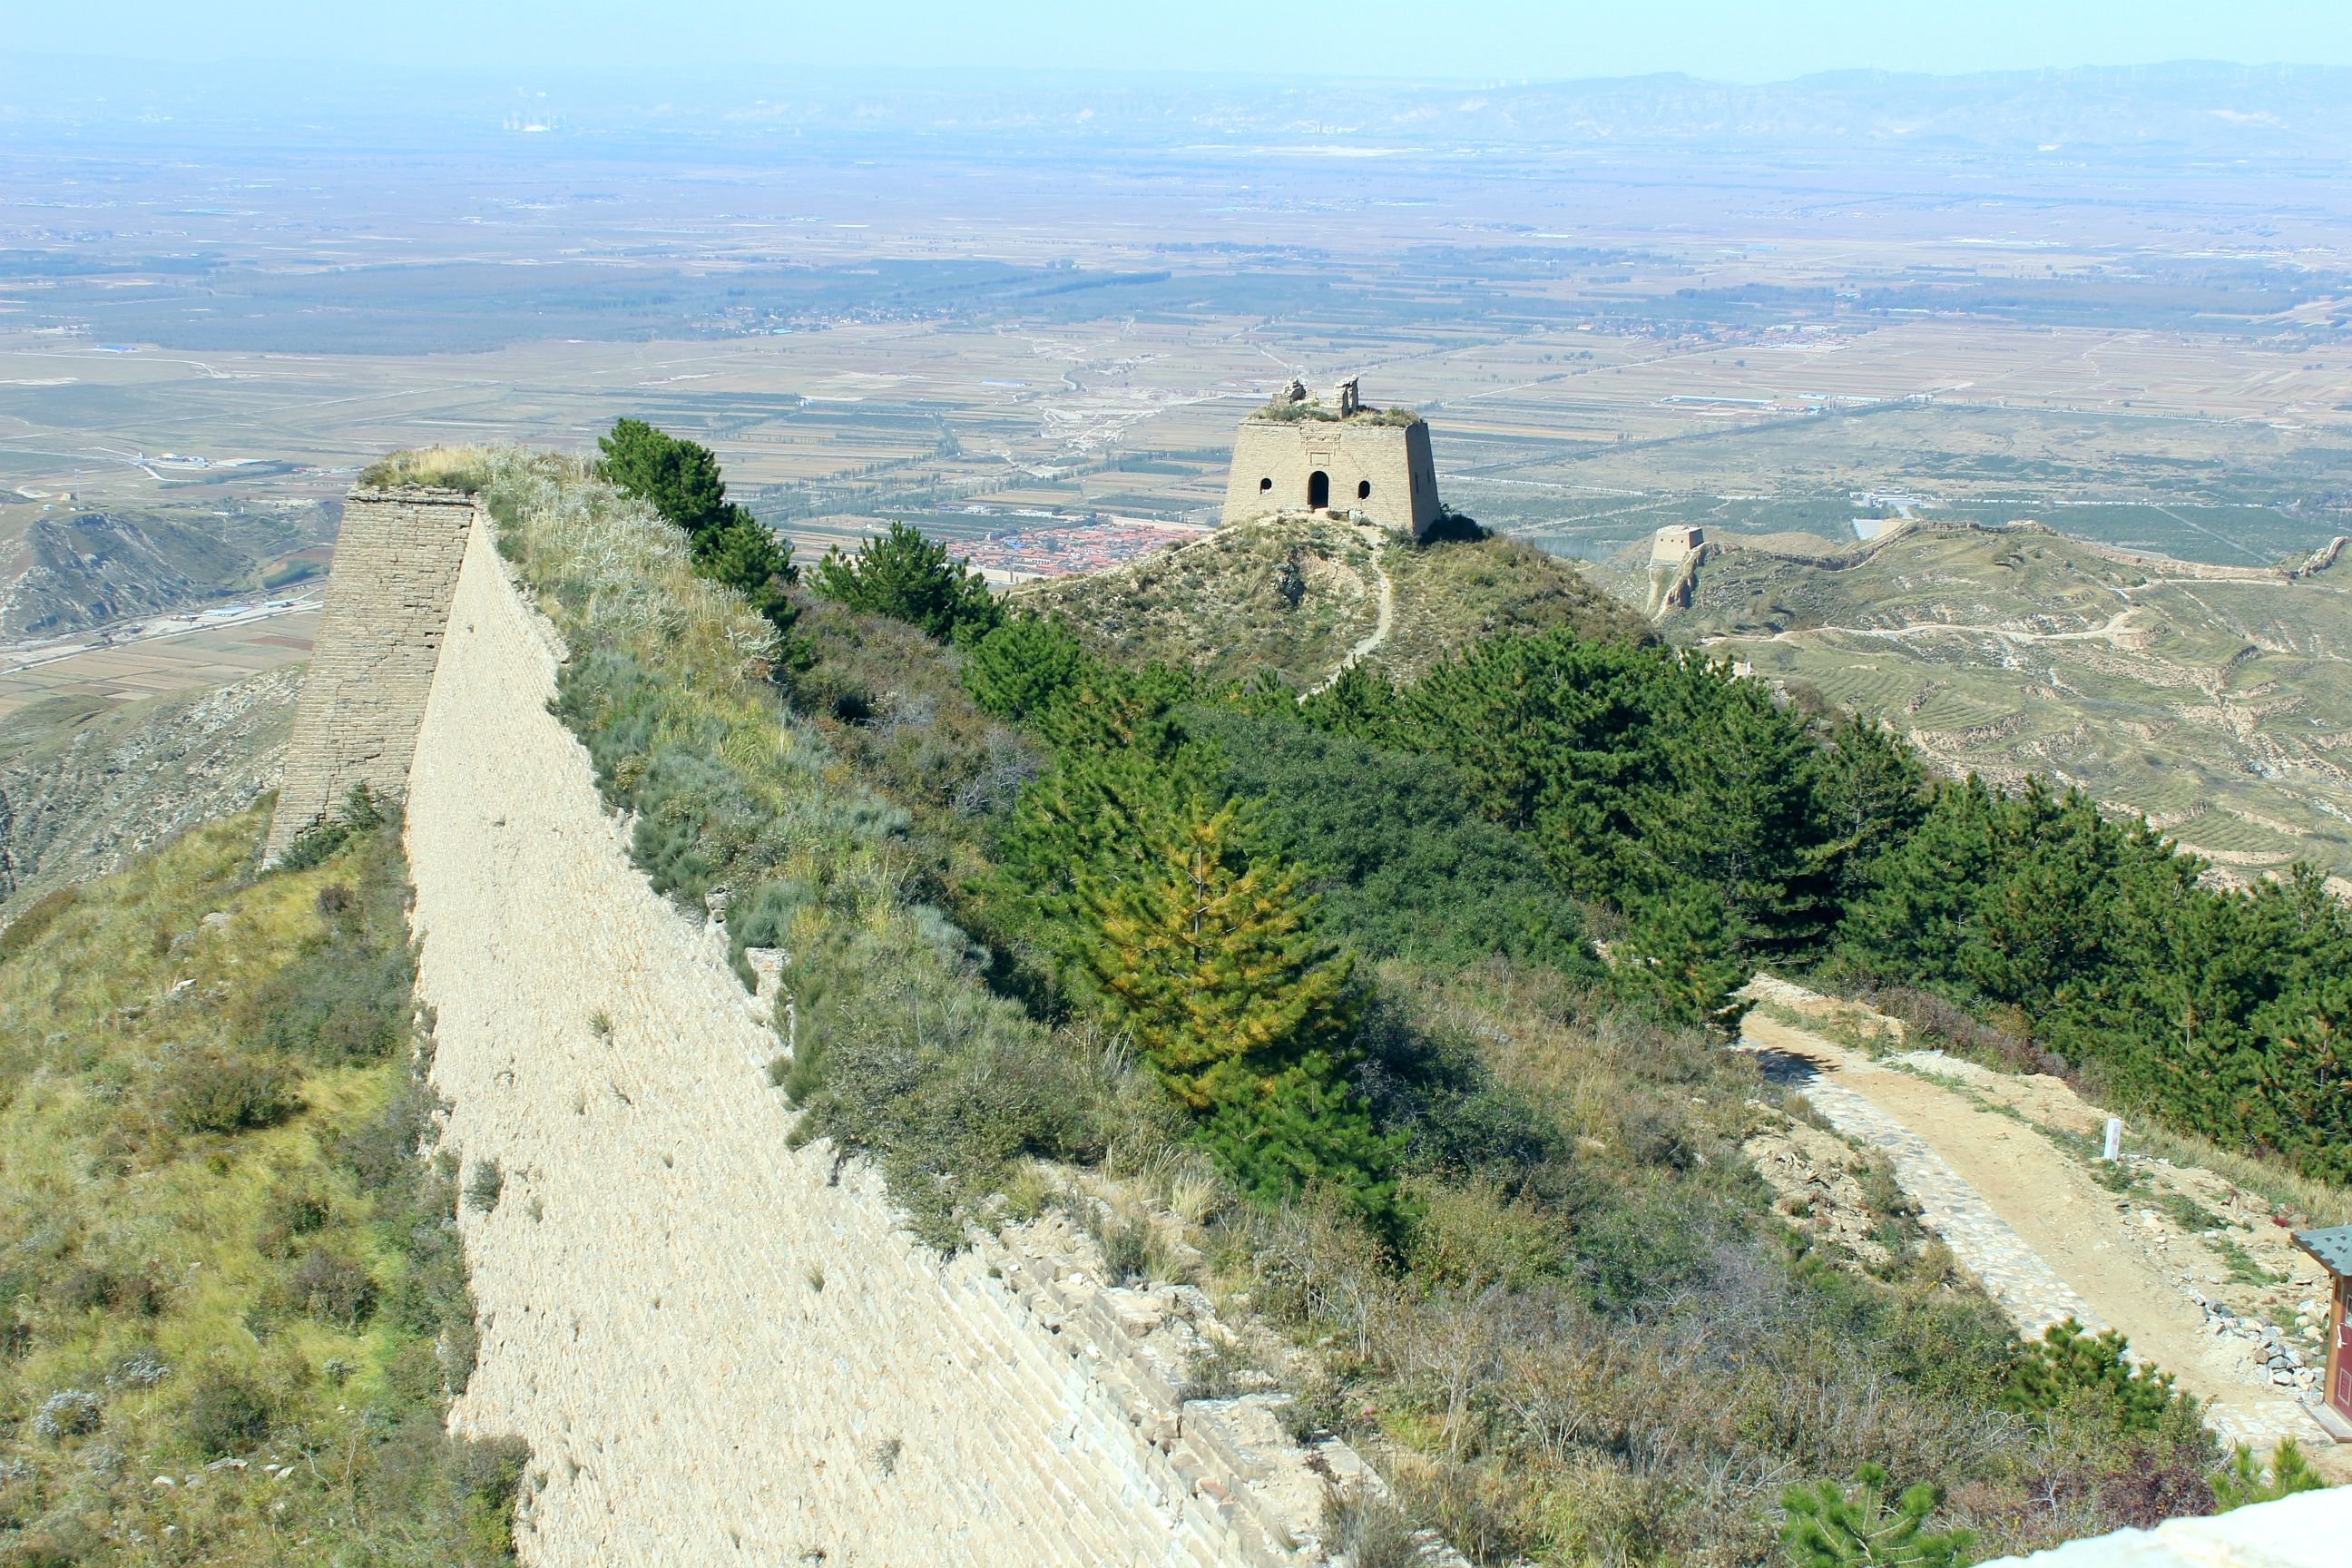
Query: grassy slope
x=1218, y=604
x=284, y=1291
x=2213, y=707
x=1585, y=1347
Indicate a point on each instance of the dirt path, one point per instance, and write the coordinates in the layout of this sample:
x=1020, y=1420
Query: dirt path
x=1381, y=627
x=2028, y=1220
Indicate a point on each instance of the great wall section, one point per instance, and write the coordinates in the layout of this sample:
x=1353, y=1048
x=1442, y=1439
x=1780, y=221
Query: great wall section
x=722, y=1350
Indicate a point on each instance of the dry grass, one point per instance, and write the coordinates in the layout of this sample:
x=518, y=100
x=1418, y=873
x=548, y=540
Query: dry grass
x=216, y=1286
x=464, y=467
x=1285, y=593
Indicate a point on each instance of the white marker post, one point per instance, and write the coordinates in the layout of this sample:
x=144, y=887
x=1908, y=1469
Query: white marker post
x=2115, y=1145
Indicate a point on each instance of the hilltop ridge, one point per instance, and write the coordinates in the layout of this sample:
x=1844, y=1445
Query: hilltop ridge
x=1304, y=596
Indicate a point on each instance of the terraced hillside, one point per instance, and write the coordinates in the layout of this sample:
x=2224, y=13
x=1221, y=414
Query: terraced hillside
x=1304, y=596
x=2214, y=699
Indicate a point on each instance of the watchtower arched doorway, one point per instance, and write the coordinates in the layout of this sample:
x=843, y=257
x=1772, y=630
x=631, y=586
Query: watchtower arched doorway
x=1318, y=490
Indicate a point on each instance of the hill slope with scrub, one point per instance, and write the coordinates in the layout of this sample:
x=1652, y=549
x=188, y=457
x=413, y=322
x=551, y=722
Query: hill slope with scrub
x=1300, y=596
x=235, y=1304
x=1369, y=1077
x=2213, y=700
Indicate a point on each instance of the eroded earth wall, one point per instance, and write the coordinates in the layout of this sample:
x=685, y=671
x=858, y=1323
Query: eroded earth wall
x=379, y=639
x=722, y=1351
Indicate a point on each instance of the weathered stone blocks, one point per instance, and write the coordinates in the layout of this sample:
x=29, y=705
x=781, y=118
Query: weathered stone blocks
x=379, y=640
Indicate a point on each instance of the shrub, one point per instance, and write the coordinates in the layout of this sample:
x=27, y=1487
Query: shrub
x=343, y=1001
x=2241, y=1480
x=1369, y=1530
x=69, y=1413
x=227, y=1091
x=227, y=1413
x=2070, y=1368
x=484, y=1187
x=117, y=1288
x=909, y=578
x=1400, y=863
x=361, y=813
x=293, y=1209
x=899, y=1057
x=332, y=1287
x=1830, y=1527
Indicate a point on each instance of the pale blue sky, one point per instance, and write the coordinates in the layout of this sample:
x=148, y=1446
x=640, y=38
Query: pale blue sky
x=1748, y=40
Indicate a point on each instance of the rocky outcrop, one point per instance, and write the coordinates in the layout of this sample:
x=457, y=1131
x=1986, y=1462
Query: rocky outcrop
x=85, y=786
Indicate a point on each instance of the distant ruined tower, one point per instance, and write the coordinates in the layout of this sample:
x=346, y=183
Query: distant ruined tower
x=1303, y=454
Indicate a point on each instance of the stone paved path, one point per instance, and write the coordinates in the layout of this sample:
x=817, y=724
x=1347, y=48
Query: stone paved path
x=2024, y=1219
x=1986, y=1245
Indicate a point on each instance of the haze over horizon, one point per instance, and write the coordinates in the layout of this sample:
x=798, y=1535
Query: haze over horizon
x=1512, y=40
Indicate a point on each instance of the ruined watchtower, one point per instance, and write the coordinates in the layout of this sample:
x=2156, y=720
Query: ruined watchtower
x=1305, y=453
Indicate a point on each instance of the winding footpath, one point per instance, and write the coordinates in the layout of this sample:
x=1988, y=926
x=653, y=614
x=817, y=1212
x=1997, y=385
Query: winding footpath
x=2025, y=1219
x=1385, y=623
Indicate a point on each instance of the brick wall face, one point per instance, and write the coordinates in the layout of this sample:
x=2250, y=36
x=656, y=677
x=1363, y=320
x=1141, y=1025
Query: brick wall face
x=722, y=1349
x=379, y=639
x=1274, y=461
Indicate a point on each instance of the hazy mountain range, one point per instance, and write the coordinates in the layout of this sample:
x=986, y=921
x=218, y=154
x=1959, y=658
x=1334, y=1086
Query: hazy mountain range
x=2197, y=110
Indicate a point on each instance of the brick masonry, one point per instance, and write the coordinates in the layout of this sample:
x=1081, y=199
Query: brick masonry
x=723, y=1349
x=379, y=640
x=1274, y=462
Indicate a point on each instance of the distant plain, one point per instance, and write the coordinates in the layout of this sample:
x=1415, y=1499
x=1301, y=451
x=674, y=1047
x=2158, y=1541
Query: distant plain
x=1033, y=322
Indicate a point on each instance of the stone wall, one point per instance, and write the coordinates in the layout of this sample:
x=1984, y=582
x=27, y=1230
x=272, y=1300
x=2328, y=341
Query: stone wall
x=1276, y=460
x=722, y=1351
x=379, y=638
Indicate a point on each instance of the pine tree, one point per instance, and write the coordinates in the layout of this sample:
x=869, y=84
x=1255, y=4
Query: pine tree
x=747, y=557
x=1360, y=703
x=1305, y=1130
x=1872, y=793
x=1087, y=823
x=1830, y=1527
x=1730, y=802
x=1025, y=666
x=678, y=478
x=909, y=578
x=2302, y=1073
x=1207, y=958
x=1675, y=961
x=2241, y=1480
x=2069, y=1368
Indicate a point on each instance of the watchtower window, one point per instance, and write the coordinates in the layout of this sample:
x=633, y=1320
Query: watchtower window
x=1318, y=490
x=1363, y=490
x=1264, y=486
